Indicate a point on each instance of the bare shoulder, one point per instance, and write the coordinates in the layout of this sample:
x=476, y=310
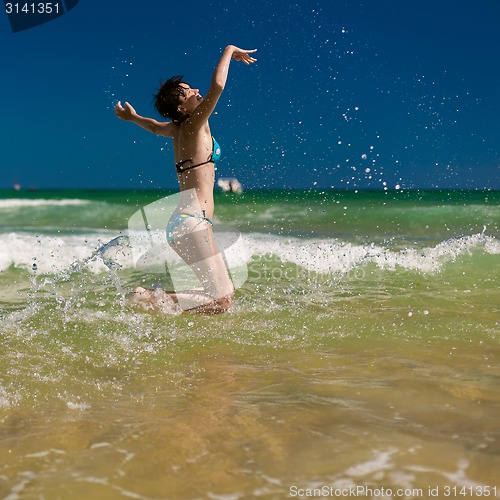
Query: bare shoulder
x=166, y=129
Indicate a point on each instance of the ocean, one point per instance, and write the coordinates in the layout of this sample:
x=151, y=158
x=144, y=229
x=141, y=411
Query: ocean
x=360, y=356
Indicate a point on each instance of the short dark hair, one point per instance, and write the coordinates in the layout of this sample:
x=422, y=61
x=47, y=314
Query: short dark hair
x=166, y=100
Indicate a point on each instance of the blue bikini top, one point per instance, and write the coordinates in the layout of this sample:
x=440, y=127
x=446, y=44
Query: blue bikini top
x=214, y=157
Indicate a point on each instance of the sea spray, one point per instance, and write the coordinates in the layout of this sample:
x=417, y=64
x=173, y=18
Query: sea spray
x=70, y=287
x=348, y=357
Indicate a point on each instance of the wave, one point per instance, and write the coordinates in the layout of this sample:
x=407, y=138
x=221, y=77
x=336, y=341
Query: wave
x=20, y=203
x=52, y=254
x=61, y=214
x=327, y=256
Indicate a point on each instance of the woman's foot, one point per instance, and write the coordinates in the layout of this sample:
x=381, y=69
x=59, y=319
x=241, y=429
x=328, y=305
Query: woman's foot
x=156, y=299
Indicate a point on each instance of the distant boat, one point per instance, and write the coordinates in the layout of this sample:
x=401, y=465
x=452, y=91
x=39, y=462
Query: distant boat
x=17, y=187
x=230, y=185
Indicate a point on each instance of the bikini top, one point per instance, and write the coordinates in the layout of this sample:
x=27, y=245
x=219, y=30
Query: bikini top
x=213, y=158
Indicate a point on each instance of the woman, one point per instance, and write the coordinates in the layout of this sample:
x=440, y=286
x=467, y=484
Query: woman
x=189, y=230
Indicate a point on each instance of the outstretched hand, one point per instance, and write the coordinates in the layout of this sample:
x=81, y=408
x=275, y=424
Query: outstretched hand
x=124, y=113
x=244, y=55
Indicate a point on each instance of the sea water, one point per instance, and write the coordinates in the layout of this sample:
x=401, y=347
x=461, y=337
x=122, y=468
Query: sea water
x=360, y=356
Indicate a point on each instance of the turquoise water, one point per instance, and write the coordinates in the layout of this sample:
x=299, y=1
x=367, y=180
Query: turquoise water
x=362, y=351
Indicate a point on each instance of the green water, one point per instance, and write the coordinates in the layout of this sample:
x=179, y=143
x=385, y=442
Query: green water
x=360, y=357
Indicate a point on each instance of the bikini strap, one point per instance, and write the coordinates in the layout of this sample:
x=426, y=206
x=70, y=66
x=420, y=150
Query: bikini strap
x=211, y=159
x=204, y=212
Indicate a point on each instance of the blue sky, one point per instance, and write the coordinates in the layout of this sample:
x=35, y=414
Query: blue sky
x=345, y=94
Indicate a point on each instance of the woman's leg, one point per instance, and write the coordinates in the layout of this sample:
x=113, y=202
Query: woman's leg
x=193, y=241
x=196, y=245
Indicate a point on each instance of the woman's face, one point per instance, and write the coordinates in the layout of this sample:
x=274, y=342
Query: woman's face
x=189, y=99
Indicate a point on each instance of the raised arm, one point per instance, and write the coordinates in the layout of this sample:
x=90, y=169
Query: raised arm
x=128, y=113
x=219, y=78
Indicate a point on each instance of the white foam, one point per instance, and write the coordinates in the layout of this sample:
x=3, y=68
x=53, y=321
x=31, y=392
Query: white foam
x=7, y=399
x=380, y=462
x=333, y=256
x=77, y=406
x=52, y=254
x=20, y=203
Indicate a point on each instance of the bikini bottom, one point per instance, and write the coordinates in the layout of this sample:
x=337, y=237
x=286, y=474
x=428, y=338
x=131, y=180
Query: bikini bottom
x=177, y=219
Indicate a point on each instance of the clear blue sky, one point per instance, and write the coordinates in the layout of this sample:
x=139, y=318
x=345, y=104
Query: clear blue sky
x=411, y=85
